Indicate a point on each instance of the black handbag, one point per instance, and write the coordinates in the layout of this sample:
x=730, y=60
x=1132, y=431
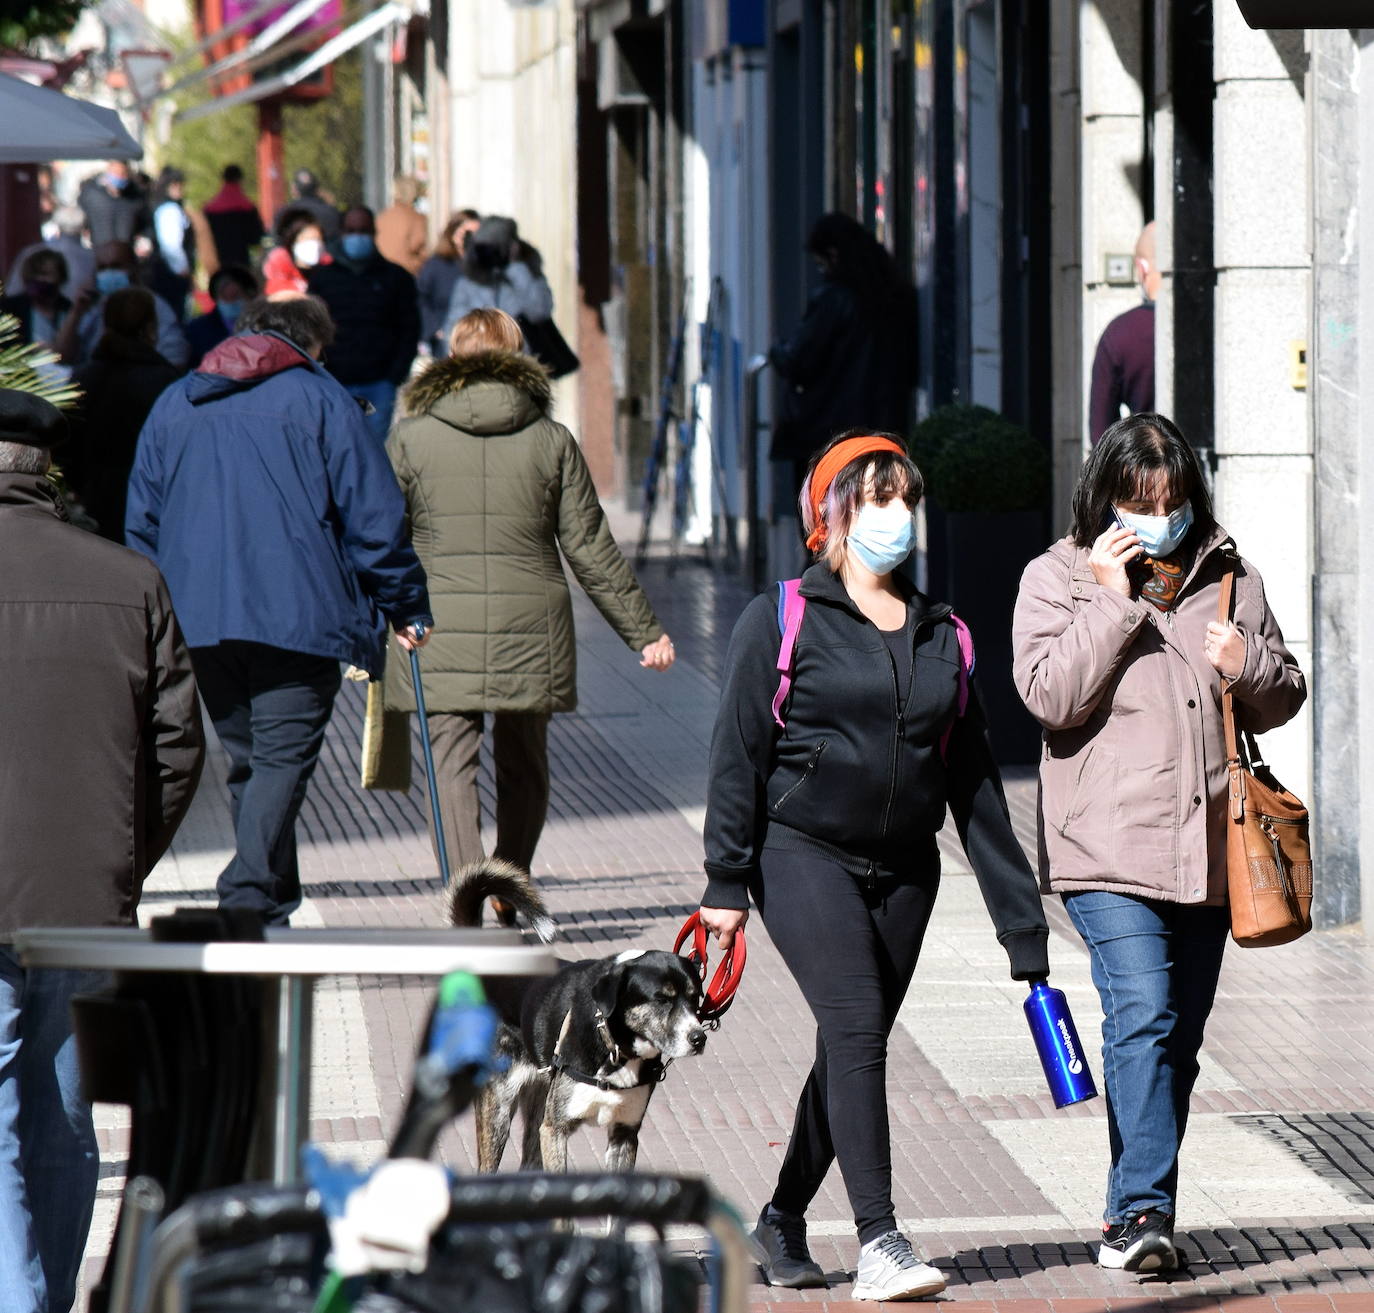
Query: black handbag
x=548, y=346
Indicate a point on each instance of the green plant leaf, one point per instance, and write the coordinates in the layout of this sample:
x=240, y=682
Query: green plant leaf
x=23, y=367
x=974, y=459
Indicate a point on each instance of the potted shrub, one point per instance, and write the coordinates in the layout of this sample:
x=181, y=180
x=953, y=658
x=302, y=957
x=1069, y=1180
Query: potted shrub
x=988, y=487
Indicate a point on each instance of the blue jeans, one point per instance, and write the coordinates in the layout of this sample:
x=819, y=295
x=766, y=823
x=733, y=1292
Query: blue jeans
x=270, y=708
x=1155, y=965
x=49, y=1162
x=382, y=395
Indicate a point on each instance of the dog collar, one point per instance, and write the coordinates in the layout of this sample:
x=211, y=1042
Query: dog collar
x=651, y=1071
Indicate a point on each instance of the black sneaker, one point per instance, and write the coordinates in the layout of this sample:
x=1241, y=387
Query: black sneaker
x=1145, y=1244
x=779, y=1243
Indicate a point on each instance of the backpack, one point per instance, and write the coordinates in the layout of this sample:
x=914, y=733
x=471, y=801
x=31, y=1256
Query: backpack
x=791, y=608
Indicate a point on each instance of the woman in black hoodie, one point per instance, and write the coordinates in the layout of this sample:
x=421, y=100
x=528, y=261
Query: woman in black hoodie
x=824, y=804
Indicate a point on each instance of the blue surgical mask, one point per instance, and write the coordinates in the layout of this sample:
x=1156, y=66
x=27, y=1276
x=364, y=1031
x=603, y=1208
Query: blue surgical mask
x=229, y=311
x=1159, y=535
x=111, y=280
x=882, y=536
x=357, y=246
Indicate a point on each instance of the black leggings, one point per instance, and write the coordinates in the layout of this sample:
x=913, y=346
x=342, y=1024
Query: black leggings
x=852, y=951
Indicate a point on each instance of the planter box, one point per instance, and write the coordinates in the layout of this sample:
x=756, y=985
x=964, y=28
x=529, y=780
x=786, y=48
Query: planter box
x=977, y=562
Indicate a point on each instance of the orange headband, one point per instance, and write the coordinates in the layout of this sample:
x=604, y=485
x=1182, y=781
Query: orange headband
x=829, y=465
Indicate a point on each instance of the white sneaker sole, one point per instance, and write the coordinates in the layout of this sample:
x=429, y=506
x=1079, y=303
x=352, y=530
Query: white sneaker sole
x=918, y=1285
x=1159, y=1256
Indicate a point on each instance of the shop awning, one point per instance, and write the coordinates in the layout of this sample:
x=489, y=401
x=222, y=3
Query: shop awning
x=43, y=125
x=359, y=32
x=274, y=34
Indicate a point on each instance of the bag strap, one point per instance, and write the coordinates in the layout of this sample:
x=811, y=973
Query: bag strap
x=791, y=608
x=1234, y=767
x=967, y=661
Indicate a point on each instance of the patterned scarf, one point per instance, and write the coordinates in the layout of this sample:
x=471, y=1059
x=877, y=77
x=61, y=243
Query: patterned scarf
x=1166, y=578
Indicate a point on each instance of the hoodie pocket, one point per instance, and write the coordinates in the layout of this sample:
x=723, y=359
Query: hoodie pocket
x=812, y=762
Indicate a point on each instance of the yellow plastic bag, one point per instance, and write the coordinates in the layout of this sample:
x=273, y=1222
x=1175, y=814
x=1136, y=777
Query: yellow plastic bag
x=386, y=744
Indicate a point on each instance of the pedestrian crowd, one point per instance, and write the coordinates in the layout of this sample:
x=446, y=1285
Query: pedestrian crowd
x=305, y=497
x=391, y=298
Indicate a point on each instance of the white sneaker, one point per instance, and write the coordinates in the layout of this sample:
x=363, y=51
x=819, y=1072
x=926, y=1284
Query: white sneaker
x=888, y=1269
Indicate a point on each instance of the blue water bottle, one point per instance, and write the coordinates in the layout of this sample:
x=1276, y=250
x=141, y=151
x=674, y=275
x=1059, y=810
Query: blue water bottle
x=1056, y=1040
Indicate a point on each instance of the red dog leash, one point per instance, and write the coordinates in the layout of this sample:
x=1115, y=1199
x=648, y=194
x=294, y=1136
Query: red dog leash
x=720, y=993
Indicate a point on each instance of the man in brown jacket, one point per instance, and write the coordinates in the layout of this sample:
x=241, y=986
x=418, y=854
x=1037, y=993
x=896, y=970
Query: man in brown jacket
x=402, y=234
x=101, y=746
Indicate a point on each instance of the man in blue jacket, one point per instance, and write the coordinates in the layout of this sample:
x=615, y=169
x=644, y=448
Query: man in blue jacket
x=280, y=530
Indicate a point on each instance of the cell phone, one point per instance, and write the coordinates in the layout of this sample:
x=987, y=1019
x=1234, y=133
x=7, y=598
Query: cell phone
x=1138, y=568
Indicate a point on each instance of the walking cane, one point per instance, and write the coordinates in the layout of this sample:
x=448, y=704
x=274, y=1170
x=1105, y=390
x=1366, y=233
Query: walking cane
x=435, y=815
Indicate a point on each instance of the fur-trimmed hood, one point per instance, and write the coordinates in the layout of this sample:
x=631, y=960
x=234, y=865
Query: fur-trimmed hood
x=488, y=393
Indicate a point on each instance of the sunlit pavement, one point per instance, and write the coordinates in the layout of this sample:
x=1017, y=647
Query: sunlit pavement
x=997, y=1188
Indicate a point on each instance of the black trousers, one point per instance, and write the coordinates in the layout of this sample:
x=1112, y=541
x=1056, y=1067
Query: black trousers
x=852, y=950
x=270, y=708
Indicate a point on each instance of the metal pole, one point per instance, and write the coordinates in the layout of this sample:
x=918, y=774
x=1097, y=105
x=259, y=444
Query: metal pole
x=141, y=1212
x=758, y=542
x=291, y=1077
x=436, y=813
x=271, y=160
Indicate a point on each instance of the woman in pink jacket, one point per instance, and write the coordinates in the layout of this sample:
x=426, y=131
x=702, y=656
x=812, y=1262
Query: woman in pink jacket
x=1120, y=655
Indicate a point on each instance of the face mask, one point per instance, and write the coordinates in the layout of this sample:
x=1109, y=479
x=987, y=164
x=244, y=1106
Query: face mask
x=882, y=536
x=1159, y=535
x=111, y=280
x=115, y=181
x=41, y=290
x=357, y=246
x=307, y=253
x=229, y=311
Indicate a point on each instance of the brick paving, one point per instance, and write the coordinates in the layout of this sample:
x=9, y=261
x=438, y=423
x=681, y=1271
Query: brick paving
x=997, y=1188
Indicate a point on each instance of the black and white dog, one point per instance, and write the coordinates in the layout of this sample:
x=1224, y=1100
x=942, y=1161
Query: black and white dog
x=586, y=1045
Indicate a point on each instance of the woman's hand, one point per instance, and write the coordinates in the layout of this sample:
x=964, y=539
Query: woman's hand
x=723, y=922
x=658, y=655
x=1113, y=551
x=1224, y=647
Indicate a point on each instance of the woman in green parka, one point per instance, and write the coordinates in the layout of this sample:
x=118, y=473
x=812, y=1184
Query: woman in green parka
x=494, y=488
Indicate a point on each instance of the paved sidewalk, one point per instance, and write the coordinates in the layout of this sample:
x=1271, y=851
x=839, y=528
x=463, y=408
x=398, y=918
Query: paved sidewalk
x=1001, y=1191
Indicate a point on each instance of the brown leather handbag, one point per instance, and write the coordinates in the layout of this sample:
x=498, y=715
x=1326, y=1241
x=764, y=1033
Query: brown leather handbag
x=1268, y=854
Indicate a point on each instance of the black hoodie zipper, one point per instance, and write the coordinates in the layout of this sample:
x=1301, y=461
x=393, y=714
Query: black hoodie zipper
x=901, y=720
x=896, y=741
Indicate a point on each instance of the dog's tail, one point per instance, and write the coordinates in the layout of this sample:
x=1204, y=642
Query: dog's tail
x=474, y=883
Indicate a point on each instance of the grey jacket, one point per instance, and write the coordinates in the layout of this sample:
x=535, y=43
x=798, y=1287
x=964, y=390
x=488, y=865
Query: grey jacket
x=1133, y=771
x=517, y=290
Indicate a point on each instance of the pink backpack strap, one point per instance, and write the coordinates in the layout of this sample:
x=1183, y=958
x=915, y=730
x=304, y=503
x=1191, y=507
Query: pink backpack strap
x=791, y=608
x=966, y=663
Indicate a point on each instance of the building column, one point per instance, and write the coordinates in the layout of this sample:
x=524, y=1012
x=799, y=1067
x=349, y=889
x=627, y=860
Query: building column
x=1066, y=257
x=1261, y=242
x=1361, y=715
x=1333, y=365
x=1097, y=129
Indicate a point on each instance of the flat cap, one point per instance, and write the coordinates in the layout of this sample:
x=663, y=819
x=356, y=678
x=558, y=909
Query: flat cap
x=30, y=420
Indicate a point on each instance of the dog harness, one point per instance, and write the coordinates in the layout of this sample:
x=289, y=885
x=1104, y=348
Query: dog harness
x=651, y=1071
x=791, y=608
